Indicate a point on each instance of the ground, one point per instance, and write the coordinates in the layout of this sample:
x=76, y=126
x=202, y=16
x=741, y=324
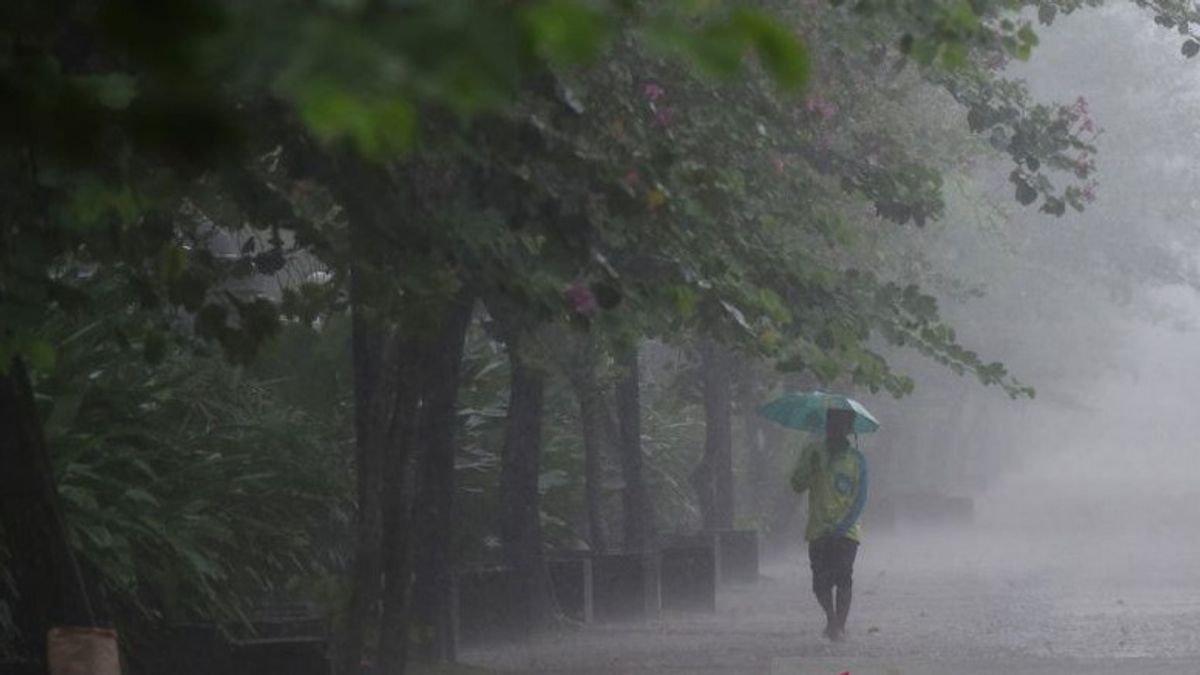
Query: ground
x=965, y=602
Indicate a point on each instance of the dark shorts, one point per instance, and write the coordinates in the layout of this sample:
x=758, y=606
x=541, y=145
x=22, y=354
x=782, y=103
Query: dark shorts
x=832, y=560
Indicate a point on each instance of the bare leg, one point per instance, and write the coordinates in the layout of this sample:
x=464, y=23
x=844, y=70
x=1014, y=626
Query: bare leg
x=825, y=597
x=844, y=596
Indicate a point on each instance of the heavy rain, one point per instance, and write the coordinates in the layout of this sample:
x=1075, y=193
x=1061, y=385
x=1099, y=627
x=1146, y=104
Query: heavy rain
x=606, y=337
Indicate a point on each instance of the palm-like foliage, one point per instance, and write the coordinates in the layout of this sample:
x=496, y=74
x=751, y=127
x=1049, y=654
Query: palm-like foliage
x=189, y=486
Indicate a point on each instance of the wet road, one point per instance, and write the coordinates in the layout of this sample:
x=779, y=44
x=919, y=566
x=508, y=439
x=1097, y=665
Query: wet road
x=967, y=603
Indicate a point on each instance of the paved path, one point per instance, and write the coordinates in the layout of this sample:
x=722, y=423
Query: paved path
x=927, y=604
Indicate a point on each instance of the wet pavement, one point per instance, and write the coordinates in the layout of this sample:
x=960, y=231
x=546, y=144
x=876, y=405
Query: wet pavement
x=928, y=603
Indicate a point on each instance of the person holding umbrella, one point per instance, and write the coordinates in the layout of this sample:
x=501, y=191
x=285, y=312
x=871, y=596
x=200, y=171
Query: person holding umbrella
x=834, y=474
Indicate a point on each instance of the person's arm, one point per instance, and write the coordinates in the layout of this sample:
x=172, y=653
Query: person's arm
x=805, y=468
x=860, y=497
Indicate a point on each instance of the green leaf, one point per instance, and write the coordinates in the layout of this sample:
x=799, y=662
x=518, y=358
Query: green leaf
x=954, y=55
x=1027, y=36
x=1047, y=13
x=566, y=31
x=925, y=51
x=39, y=354
x=375, y=126
x=961, y=19
x=172, y=261
x=79, y=497
x=141, y=496
x=1026, y=195
x=719, y=48
x=781, y=52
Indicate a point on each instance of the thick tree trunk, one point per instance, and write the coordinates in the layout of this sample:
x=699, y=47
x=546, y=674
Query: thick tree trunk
x=520, y=501
x=433, y=587
x=368, y=346
x=713, y=479
x=373, y=200
x=581, y=372
x=52, y=588
x=397, y=505
x=638, y=510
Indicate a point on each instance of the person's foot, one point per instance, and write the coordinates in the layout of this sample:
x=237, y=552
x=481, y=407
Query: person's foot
x=837, y=634
x=829, y=631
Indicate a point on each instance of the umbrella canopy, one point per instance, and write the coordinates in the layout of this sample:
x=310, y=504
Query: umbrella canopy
x=806, y=411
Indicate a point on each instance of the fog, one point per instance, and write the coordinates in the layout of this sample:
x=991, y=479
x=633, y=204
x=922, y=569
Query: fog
x=1085, y=499
x=1121, y=464
x=472, y=337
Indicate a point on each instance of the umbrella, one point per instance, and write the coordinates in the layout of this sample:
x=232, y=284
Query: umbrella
x=806, y=411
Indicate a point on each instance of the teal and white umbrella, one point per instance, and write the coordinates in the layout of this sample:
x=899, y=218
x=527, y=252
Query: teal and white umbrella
x=806, y=411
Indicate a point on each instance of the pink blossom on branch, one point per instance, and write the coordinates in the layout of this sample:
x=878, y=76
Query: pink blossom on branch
x=580, y=297
x=653, y=91
x=820, y=107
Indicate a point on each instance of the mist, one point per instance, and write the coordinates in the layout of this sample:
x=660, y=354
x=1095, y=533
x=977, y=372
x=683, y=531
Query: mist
x=618, y=338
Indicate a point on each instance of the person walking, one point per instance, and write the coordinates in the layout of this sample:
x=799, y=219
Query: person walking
x=834, y=473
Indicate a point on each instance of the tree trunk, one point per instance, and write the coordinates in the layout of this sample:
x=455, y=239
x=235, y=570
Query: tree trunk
x=433, y=588
x=638, y=510
x=397, y=505
x=372, y=199
x=368, y=346
x=52, y=588
x=581, y=372
x=520, y=501
x=714, y=478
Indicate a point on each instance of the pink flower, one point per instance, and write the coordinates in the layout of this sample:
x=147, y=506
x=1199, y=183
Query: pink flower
x=631, y=178
x=653, y=91
x=580, y=297
x=1087, y=125
x=820, y=107
x=779, y=164
x=664, y=117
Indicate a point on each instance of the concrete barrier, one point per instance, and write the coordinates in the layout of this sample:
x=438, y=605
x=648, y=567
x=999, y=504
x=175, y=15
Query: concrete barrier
x=572, y=580
x=489, y=607
x=688, y=571
x=737, y=555
x=625, y=587
x=281, y=656
x=286, y=639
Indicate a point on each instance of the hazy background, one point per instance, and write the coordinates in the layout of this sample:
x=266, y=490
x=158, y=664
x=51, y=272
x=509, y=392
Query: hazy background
x=1096, y=310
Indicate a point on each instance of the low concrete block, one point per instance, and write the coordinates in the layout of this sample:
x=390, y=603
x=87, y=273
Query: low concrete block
x=737, y=555
x=281, y=656
x=489, y=607
x=624, y=587
x=688, y=574
x=191, y=649
x=572, y=579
